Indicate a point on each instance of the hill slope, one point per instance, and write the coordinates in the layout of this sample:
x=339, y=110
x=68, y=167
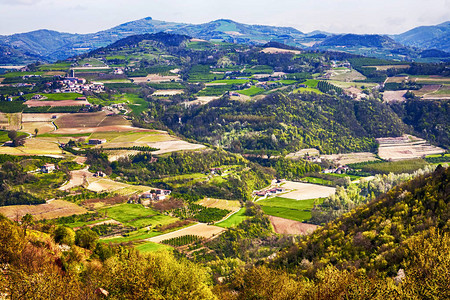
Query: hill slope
x=427, y=37
x=375, y=237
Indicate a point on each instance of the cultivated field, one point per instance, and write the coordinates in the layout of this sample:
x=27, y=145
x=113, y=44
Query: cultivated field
x=89, y=120
x=303, y=152
x=37, y=146
x=304, y=191
x=391, y=96
x=108, y=185
x=273, y=50
x=202, y=230
x=78, y=178
x=350, y=158
x=285, y=226
x=427, y=89
x=171, y=146
x=51, y=210
x=288, y=208
x=39, y=103
x=387, y=67
x=167, y=92
x=345, y=74
x=222, y=204
x=155, y=78
x=137, y=215
x=397, y=79
x=405, y=147
x=40, y=117
x=202, y=100
x=42, y=127
x=10, y=121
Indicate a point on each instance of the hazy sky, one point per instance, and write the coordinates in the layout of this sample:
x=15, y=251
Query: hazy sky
x=357, y=16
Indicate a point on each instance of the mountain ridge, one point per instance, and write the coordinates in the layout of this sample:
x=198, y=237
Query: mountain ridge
x=49, y=45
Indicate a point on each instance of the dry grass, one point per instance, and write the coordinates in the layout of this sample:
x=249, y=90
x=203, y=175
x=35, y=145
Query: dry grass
x=397, y=79
x=392, y=96
x=43, y=127
x=172, y=146
x=40, y=117
x=384, y=68
x=285, y=226
x=350, y=158
x=51, y=210
x=222, y=204
x=37, y=146
x=202, y=230
x=301, y=153
x=108, y=185
x=305, y=191
x=11, y=121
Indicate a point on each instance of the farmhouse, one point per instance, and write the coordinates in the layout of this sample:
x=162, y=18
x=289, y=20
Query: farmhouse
x=99, y=174
x=37, y=97
x=96, y=141
x=47, y=168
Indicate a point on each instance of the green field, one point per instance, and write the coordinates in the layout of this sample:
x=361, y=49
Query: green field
x=234, y=220
x=252, y=91
x=231, y=81
x=152, y=247
x=57, y=97
x=297, y=210
x=318, y=181
x=137, y=215
x=132, y=236
x=397, y=167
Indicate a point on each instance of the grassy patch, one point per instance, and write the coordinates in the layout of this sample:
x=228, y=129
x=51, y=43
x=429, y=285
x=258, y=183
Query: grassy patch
x=152, y=247
x=397, y=167
x=234, y=220
x=252, y=91
x=137, y=215
x=318, y=181
x=297, y=210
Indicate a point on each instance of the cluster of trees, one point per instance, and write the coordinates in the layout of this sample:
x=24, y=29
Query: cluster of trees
x=12, y=175
x=200, y=213
x=428, y=118
x=348, y=198
x=142, y=169
x=287, y=168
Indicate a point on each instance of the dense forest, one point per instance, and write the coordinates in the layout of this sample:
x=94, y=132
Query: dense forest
x=288, y=123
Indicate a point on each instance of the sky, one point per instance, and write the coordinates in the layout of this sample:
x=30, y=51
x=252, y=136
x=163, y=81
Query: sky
x=337, y=16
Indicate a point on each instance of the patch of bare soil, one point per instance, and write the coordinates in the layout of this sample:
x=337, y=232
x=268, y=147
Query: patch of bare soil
x=285, y=226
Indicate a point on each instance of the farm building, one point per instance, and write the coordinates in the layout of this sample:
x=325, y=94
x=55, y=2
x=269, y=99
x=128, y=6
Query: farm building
x=37, y=97
x=47, y=168
x=96, y=141
x=99, y=174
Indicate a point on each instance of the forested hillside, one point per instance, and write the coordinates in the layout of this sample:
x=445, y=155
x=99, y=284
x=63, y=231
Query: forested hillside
x=289, y=122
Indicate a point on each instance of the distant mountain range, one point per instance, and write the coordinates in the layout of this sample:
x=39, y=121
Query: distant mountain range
x=47, y=45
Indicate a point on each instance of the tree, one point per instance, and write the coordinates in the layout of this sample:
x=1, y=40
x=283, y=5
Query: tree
x=64, y=235
x=36, y=131
x=26, y=220
x=86, y=238
x=12, y=135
